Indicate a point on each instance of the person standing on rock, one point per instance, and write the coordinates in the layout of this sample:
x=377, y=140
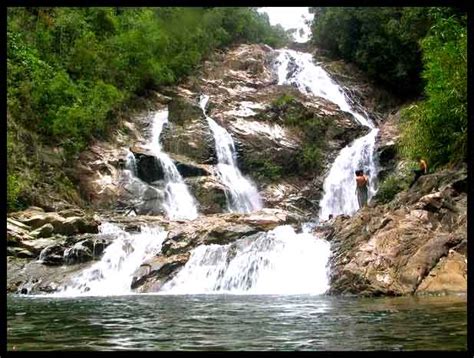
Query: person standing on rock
x=362, y=183
x=422, y=171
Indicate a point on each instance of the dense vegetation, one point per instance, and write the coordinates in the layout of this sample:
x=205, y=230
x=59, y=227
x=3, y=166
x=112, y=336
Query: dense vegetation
x=68, y=69
x=414, y=52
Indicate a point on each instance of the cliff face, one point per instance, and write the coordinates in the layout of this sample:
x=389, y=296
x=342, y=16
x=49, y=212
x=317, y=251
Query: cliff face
x=416, y=244
x=259, y=115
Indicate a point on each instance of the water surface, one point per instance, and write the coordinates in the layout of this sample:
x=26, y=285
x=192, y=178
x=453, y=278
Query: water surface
x=236, y=322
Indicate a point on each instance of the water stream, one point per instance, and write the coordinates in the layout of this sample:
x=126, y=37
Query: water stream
x=179, y=203
x=277, y=262
x=242, y=195
x=112, y=275
x=298, y=69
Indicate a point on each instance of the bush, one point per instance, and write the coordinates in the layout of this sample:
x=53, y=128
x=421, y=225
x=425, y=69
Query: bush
x=283, y=101
x=310, y=157
x=263, y=170
x=14, y=187
x=390, y=187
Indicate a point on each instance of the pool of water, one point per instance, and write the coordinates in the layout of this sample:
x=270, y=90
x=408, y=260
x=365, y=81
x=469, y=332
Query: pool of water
x=236, y=322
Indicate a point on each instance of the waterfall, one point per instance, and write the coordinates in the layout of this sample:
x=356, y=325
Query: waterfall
x=298, y=69
x=276, y=262
x=281, y=261
x=131, y=163
x=242, y=195
x=339, y=186
x=179, y=204
x=112, y=275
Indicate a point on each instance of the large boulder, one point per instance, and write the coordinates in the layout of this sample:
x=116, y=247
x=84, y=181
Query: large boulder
x=62, y=226
x=410, y=246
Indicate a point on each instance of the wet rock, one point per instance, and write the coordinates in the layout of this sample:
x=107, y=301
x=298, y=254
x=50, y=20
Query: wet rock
x=86, y=250
x=151, y=202
x=191, y=138
x=149, y=168
x=52, y=255
x=32, y=276
x=154, y=273
x=189, y=170
x=182, y=109
x=36, y=246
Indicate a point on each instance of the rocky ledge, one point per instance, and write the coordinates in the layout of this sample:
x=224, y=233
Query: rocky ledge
x=45, y=250
x=416, y=244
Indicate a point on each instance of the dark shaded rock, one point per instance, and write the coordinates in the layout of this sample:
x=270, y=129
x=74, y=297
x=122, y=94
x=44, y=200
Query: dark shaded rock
x=149, y=168
x=52, y=255
x=187, y=170
x=20, y=253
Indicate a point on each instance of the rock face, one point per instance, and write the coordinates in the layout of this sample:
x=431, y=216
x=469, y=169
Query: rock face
x=416, y=244
x=244, y=99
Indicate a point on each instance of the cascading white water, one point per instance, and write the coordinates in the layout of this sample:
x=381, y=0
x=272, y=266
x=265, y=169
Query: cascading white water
x=298, y=69
x=179, y=203
x=242, y=195
x=339, y=186
x=131, y=163
x=283, y=262
x=277, y=262
x=112, y=275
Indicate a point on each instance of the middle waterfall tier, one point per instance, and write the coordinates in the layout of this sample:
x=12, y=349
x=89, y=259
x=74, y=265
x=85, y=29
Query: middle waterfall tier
x=242, y=195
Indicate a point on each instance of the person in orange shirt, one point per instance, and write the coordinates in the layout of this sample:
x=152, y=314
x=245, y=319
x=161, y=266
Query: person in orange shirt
x=419, y=172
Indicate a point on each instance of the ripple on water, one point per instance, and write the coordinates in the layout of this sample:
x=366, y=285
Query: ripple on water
x=232, y=322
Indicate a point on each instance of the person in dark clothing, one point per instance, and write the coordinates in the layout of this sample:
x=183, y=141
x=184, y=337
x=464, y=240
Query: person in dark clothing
x=423, y=169
x=362, y=192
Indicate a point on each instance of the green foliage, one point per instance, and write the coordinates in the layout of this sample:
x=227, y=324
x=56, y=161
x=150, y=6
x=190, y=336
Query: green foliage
x=283, y=100
x=264, y=170
x=69, y=68
x=381, y=41
x=436, y=128
x=390, y=186
x=310, y=157
x=15, y=184
x=312, y=127
x=14, y=187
